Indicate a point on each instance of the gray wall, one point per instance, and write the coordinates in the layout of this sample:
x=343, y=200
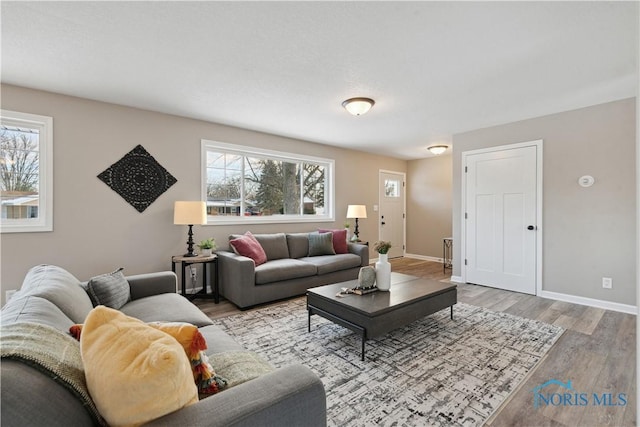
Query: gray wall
x=428, y=205
x=96, y=231
x=588, y=233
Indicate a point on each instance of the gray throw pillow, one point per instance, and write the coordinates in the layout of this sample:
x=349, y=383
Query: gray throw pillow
x=111, y=289
x=321, y=244
x=274, y=245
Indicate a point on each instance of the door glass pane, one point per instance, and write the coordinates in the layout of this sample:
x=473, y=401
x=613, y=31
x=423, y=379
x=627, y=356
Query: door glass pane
x=391, y=188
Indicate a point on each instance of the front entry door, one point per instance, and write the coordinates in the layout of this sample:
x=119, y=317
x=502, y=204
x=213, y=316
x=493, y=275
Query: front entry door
x=501, y=219
x=391, y=213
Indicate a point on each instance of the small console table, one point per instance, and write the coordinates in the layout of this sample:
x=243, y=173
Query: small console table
x=204, y=260
x=447, y=253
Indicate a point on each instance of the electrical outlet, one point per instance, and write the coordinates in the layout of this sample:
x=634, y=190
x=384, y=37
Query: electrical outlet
x=607, y=282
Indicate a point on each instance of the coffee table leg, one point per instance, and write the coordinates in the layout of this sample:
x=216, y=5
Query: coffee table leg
x=364, y=338
x=451, y=312
x=309, y=321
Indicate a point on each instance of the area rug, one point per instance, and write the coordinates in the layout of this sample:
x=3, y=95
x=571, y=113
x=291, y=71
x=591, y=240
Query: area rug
x=433, y=372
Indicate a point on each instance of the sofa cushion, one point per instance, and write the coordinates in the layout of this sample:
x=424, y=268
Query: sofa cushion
x=330, y=263
x=110, y=289
x=321, y=244
x=298, y=244
x=221, y=341
x=240, y=366
x=135, y=373
x=274, y=245
x=166, y=308
x=248, y=246
x=57, y=285
x=339, y=240
x=33, y=309
x=283, y=269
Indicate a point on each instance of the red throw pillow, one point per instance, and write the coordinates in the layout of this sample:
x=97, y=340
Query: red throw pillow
x=249, y=246
x=339, y=240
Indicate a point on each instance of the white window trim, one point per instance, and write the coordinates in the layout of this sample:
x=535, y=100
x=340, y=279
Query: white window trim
x=243, y=150
x=44, y=222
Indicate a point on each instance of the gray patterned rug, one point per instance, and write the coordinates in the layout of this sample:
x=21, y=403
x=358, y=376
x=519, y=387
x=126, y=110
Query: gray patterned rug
x=434, y=372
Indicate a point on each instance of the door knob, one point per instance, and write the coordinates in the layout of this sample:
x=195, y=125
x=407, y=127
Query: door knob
x=531, y=227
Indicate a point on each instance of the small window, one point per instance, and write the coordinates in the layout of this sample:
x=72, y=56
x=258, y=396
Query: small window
x=391, y=188
x=244, y=184
x=26, y=172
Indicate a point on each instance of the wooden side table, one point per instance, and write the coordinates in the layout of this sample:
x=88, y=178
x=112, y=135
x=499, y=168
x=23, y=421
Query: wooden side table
x=204, y=260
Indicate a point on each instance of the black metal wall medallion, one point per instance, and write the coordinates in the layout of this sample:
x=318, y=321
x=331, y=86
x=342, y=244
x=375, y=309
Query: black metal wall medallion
x=138, y=178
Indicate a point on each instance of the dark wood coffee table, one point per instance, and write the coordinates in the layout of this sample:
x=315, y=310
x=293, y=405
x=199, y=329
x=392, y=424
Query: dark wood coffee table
x=409, y=299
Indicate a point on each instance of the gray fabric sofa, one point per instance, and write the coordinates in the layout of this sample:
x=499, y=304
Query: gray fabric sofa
x=288, y=272
x=291, y=395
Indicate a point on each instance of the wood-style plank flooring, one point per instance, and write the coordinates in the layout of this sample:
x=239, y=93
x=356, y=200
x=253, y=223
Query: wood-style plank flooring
x=596, y=352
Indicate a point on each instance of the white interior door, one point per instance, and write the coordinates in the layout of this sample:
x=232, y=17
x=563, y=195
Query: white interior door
x=391, y=211
x=501, y=219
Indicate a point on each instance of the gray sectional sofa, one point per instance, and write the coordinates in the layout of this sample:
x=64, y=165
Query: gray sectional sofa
x=289, y=270
x=50, y=296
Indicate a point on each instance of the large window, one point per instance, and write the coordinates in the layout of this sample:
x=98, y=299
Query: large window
x=26, y=172
x=243, y=184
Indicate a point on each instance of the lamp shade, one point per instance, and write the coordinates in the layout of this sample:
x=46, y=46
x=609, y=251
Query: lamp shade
x=358, y=106
x=189, y=213
x=357, y=211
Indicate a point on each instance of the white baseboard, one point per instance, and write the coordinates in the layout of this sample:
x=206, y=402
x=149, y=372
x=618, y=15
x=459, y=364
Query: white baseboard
x=591, y=302
x=423, y=257
x=607, y=305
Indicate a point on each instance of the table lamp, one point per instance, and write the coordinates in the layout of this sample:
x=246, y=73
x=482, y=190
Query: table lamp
x=190, y=213
x=357, y=211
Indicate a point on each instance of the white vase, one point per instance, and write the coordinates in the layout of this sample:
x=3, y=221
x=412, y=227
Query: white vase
x=383, y=273
x=206, y=252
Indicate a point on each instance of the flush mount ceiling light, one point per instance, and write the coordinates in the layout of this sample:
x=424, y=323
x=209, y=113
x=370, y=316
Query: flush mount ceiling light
x=437, y=149
x=358, y=106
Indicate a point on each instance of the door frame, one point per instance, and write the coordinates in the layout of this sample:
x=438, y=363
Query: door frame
x=404, y=207
x=463, y=243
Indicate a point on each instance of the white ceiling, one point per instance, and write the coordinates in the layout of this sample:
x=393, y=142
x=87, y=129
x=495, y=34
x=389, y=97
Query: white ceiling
x=433, y=68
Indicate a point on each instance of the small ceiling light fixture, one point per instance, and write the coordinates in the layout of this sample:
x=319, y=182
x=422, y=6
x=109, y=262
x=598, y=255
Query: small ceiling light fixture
x=437, y=149
x=358, y=106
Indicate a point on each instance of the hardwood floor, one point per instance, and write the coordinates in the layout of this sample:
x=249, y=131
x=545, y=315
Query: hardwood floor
x=596, y=352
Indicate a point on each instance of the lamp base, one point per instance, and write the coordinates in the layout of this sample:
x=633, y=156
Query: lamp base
x=190, y=244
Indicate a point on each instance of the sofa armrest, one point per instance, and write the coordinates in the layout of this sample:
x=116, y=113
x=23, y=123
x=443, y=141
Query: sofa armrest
x=362, y=251
x=144, y=285
x=290, y=396
x=237, y=278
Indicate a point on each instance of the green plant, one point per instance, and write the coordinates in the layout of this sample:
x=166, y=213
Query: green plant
x=347, y=225
x=382, y=246
x=209, y=243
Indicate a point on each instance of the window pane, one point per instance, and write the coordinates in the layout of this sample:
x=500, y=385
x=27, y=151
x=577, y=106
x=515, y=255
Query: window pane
x=19, y=173
x=277, y=189
x=391, y=188
x=313, y=184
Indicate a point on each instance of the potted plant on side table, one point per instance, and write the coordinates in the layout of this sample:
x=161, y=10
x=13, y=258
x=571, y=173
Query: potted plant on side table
x=207, y=246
